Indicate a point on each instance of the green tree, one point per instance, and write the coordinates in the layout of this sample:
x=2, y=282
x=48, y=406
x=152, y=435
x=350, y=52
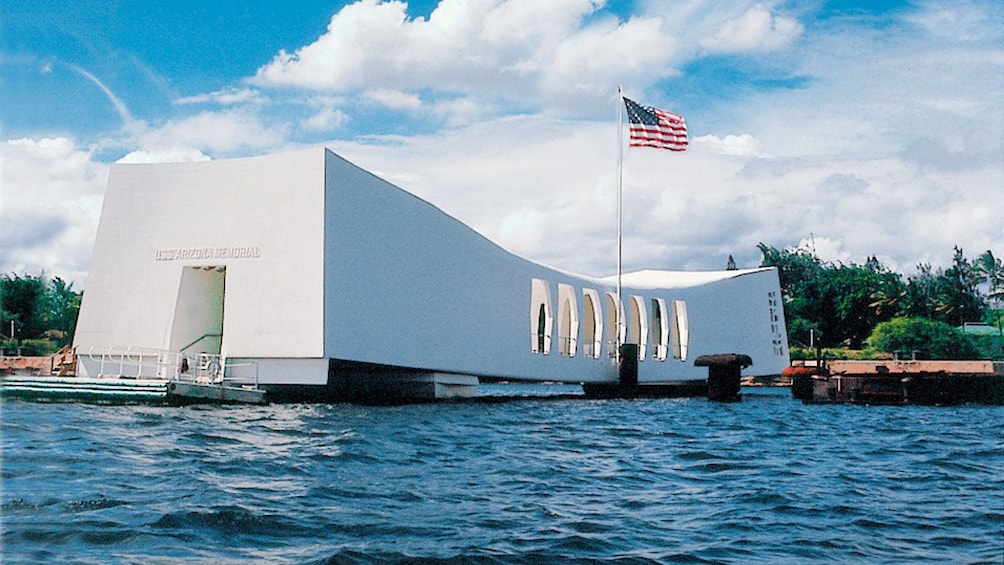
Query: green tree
x=949, y=295
x=991, y=270
x=933, y=339
x=920, y=297
x=959, y=299
x=20, y=301
x=841, y=304
x=856, y=299
x=798, y=273
x=39, y=308
x=59, y=308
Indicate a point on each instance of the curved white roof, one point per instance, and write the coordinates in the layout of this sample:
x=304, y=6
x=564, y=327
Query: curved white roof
x=651, y=279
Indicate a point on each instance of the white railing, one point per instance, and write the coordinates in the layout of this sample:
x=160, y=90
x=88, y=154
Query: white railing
x=145, y=362
x=136, y=362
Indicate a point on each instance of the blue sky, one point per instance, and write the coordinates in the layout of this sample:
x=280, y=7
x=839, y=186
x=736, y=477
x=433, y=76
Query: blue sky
x=855, y=128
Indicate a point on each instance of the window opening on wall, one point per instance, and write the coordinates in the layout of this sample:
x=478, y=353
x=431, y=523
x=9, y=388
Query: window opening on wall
x=592, y=323
x=568, y=320
x=660, y=330
x=613, y=324
x=540, y=316
x=637, y=326
x=681, y=330
x=541, y=328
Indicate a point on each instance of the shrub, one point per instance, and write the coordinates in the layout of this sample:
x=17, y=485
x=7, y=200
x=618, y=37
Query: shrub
x=989, y=346
x=28, y=347
x=808, y=354
x=934, y=340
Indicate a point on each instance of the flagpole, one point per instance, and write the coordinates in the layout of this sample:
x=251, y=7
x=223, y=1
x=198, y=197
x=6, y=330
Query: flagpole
x=620, y=215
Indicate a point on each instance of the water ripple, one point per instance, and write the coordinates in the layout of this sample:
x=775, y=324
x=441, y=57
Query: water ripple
x=766, y=480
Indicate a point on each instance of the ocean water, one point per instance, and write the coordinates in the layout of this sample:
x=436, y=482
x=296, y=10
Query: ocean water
x=765, y=480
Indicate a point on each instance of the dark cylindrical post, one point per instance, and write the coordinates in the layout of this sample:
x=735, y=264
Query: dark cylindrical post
x=724, y=375
x=629, y=370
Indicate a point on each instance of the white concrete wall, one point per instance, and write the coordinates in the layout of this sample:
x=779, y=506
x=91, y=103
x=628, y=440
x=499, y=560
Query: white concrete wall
x=407, y=285
x=261, y=218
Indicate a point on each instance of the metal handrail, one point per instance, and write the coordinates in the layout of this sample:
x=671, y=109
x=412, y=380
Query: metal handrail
x=140, y=357
x=209, y=367
x=200, y=338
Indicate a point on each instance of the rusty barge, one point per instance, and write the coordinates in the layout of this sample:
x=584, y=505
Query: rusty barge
x=898, y=382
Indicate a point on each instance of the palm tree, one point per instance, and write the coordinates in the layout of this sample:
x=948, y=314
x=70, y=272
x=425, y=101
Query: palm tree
x=991, y=270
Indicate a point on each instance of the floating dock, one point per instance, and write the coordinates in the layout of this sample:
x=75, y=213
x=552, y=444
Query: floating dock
x=123, y=390
x=120, y=390
x=46, y=388
x=54, y=378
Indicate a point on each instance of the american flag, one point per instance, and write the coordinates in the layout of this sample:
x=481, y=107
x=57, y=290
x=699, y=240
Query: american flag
x=652, y=127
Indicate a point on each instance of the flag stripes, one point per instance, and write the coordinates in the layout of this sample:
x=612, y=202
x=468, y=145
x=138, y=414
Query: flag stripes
x=652, y=127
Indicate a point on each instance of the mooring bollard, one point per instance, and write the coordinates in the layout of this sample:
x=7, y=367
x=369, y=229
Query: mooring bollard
x=724, y=372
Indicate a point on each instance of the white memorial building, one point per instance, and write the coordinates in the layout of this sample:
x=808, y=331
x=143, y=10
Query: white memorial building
x=328, y=282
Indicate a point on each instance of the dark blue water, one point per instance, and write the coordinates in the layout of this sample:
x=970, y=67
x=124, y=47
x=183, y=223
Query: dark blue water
x=766, y=480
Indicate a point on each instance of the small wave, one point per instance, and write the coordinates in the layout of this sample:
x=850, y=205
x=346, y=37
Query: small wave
x=715, y=467
x=16, y=505
x=356, y=557
x=697, y=455
x=765, y=498
x=573, y=546
x=230, y=520
x=96, y=532
x=869, y=524
x=88, y=505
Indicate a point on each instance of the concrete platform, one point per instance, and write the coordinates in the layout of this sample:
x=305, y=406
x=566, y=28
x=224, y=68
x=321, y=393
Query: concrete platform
x=195, y=393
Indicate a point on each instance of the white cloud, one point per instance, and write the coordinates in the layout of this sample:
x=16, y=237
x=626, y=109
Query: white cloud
x=217, y=132
x=393, y=98
x=527, y=51
x=958, y=21
x=828, y=250
x=340, y=56
x=178, y=154
x=326, y=119
x=742, y=145
x=591, y=60
x=890, y=145
x=50, y=199
x=757, y=29
x=225, y=97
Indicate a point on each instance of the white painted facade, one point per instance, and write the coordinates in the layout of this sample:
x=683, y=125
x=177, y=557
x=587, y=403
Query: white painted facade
x=292, y=260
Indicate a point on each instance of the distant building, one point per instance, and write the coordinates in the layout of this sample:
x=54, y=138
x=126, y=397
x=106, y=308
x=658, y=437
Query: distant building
x=324, y=280
x=979, y=328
